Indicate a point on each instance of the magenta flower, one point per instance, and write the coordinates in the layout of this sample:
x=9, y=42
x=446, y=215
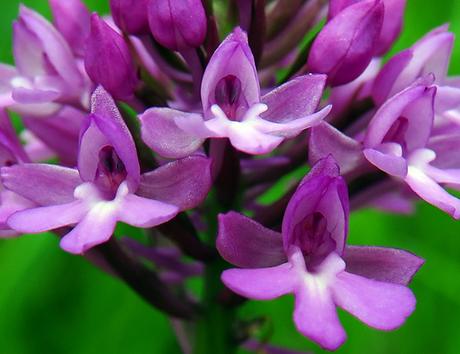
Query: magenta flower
x=310, y=260
x=396, y=141
x=106, y=188
x=233, y=108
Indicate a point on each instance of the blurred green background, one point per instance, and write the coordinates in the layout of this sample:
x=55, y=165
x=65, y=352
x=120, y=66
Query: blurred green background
x=53, y=302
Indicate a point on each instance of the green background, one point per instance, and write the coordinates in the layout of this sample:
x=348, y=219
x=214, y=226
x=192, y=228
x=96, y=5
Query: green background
x=53, y=302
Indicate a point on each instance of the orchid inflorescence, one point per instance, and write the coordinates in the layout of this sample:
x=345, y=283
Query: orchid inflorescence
x=146, y=118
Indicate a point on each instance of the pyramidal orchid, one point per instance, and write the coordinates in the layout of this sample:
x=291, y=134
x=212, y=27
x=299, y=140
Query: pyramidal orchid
x=196, y=130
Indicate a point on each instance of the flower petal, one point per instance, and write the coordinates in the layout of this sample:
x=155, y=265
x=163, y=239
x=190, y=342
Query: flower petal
x=326, y=140
x=95, y=228
x=297, y=98
x=143, y=212
x=245, y=243
x=161, y=133
x=383, y=264
x=261, y=283
x=432, y=192
x=232, y=57
x=380, y=305
x=387, y=157
x=184, y=183
x=47, y=218
x=44, y=184
x=316, y=318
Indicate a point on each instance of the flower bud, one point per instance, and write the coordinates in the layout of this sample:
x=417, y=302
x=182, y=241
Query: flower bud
x=108, y=61
x=346, y=45
x=392, y=21
x=130, y=15
x=177, y=24
x=71, y=18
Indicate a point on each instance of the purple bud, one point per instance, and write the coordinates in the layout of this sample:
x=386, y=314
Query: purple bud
x=71, y=18
x=177, y=24
x=346, y=45
x=108, y=60
x=392, y=21
x=130, y=15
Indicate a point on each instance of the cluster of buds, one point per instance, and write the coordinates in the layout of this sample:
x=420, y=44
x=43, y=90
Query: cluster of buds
x=145, y=117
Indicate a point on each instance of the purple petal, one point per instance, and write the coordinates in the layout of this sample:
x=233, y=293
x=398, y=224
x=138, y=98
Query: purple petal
x=291, y=129
x=297, y=98
x=96, y=227
x=107, y=49
x=316, y=318
x=261, y=283
x=9, y=141
x=29, y=96
x=71, y=18
x=143, y=212
x=232, y=58
x=416, y=106
x=184, y=183
x=432, y=192
x=380, y=305
x=388, y=158
x=431, y=54
x=326, y=140
x=130, y=15
x=43, y=184
x=10, y=203
x=47, y=218
x=245, y=243
x=106, y=127
x=389, y=265
x=345, y=46
x=177, y=24
x=322, y=191
x=392, y=24
x=59, y=132
x=52, y=44
x=161, y=133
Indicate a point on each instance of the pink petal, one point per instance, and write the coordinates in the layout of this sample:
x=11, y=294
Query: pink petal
x=261, y=283
x=380, y=305
x=245, y=243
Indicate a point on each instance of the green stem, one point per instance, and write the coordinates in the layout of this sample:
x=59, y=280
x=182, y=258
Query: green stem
x=214, y=331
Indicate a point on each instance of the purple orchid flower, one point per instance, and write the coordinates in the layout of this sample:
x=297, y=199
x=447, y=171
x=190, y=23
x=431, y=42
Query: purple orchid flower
x=310, y=260
x=397, y=142
x=107, y=186
x=46, y=73
x=233, y=108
